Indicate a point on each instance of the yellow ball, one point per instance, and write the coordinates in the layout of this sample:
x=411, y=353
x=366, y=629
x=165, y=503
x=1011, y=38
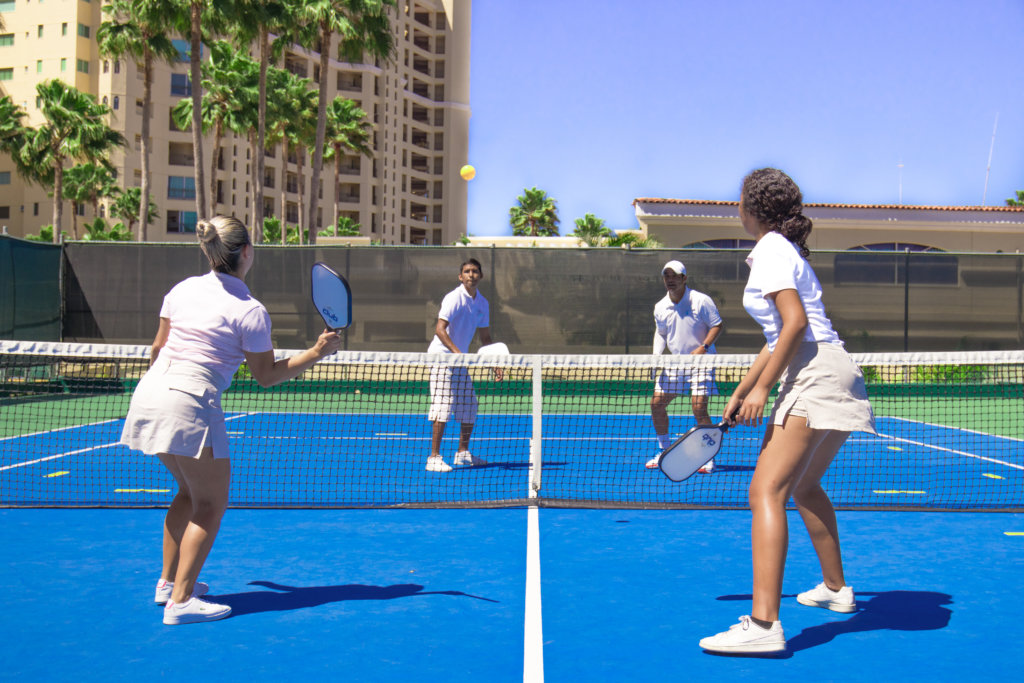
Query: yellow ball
x=467, y=172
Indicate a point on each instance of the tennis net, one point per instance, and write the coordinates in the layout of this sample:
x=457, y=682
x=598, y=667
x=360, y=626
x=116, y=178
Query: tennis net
x=555, y=430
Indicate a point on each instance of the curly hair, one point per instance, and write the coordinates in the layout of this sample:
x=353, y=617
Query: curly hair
x=221, y=238
x=771, y=196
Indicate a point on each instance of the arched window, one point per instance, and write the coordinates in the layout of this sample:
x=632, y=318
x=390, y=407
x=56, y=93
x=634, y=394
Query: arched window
x=889, y=263
x=722, y=244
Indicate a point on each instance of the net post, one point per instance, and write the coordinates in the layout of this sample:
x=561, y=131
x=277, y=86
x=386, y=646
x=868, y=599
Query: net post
x=535, y=439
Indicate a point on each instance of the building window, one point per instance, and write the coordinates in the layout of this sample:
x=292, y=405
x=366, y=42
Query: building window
x=83, y=30
x=39, y=66
x=7, y=74
x=82, y=66
x=117, y=66
x=181, y=187
x=63, y=64
x=106, y=66
x=182, y=46
x=117, y=101
x=181, y=221
x=35, y=208
x=39, y=31
x=6, y=5
x=5, y=212
x=181, y=85
x=6, y=39
x=64, y=29
x=5, y=177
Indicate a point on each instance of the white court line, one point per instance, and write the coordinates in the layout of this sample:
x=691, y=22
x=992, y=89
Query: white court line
x=953, y=451
x=533, y=637
x=56, y=431
x=76, y=452
x=957, y=429
x=59, y=455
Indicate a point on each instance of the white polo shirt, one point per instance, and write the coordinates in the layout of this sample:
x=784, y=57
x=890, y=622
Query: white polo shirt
x=775, y=265
x=214, y=321
x=684, y=326
x=464, y=314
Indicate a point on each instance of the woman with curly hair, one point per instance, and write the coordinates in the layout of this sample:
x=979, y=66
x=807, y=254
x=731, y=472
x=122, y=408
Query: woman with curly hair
x=821, y=400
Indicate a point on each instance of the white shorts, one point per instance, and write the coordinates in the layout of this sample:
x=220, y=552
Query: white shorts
x=825, y=387
x=176, y=409
x=452, y=395
x=697, y=382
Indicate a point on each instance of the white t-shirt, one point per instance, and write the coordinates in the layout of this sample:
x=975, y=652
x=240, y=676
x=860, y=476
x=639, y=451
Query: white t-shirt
x=464, y=314
x=684, y=326
x=775, y=265
x=214, y=320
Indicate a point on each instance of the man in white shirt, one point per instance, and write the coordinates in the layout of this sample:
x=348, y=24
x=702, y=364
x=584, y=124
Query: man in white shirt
x=686, y=321
x=464, y=310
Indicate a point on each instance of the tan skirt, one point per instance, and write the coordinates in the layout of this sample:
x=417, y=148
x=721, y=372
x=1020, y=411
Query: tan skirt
x=823, y=385
x=176, y=409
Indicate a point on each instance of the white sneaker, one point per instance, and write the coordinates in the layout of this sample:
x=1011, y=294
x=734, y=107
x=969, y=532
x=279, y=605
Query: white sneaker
x=746, y=637
x=193, y=611
x=165, y=588
x=652, y=464
x=467, y=459
x=436, y=463
x=821, y=595
x=708, y=467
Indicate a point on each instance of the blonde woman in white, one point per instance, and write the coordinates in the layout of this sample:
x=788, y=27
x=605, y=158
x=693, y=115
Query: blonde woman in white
x=209, y=325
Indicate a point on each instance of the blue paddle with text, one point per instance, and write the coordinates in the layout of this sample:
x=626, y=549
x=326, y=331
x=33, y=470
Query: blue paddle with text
x=692, y=450
x=332, y=297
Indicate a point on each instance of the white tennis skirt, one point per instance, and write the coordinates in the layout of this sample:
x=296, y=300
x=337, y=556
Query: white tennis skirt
x=823, y=385
x=176, y=410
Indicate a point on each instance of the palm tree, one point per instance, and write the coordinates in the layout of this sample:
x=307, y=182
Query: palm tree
x=226, y=91
x=363, y=27
x=347, y=130
x=591, y=230
x=20, y=143
x=12, y=131
x=254, y=21
x=293, y=96
x=301, y=133
x=75, y=128
x=1018, y=201
x=126, y=207
x=88, y=183
x=633, y=239
x=194, y=20
x=535, y=215
x=137, y=29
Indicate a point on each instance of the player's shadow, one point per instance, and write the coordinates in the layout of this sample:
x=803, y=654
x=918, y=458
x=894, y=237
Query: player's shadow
x=885, y=611
x=280, y=598
x=548, y=464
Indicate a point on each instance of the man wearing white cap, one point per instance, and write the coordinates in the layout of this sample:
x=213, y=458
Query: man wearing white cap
x=686, y=321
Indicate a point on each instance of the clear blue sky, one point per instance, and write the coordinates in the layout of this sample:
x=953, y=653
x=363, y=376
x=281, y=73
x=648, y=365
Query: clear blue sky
x=599, y=102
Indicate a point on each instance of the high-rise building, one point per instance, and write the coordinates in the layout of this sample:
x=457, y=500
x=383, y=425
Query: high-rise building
x=408, y=192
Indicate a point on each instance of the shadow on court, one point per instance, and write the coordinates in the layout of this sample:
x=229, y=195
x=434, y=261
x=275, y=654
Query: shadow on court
x=282, y=598
x=885, y=611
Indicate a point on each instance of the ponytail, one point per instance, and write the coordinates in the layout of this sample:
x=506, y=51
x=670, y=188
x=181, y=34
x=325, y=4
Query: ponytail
x=771, y=196
x=221, y=238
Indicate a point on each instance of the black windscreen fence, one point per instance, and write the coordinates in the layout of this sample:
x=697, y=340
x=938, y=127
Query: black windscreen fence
x=548, y=300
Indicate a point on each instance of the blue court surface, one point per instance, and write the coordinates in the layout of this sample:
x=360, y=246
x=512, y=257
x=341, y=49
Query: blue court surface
x=443, y=595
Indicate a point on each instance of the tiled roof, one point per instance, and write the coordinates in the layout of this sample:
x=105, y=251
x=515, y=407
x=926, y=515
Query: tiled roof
x=705, y=202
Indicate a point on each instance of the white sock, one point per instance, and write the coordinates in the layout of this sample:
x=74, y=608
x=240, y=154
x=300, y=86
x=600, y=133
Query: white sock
x=664, y=440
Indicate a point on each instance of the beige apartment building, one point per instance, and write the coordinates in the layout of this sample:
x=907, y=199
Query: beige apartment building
x=409, y=192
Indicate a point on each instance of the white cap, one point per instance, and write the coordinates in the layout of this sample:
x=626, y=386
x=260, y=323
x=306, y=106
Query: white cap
x=676, y=267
